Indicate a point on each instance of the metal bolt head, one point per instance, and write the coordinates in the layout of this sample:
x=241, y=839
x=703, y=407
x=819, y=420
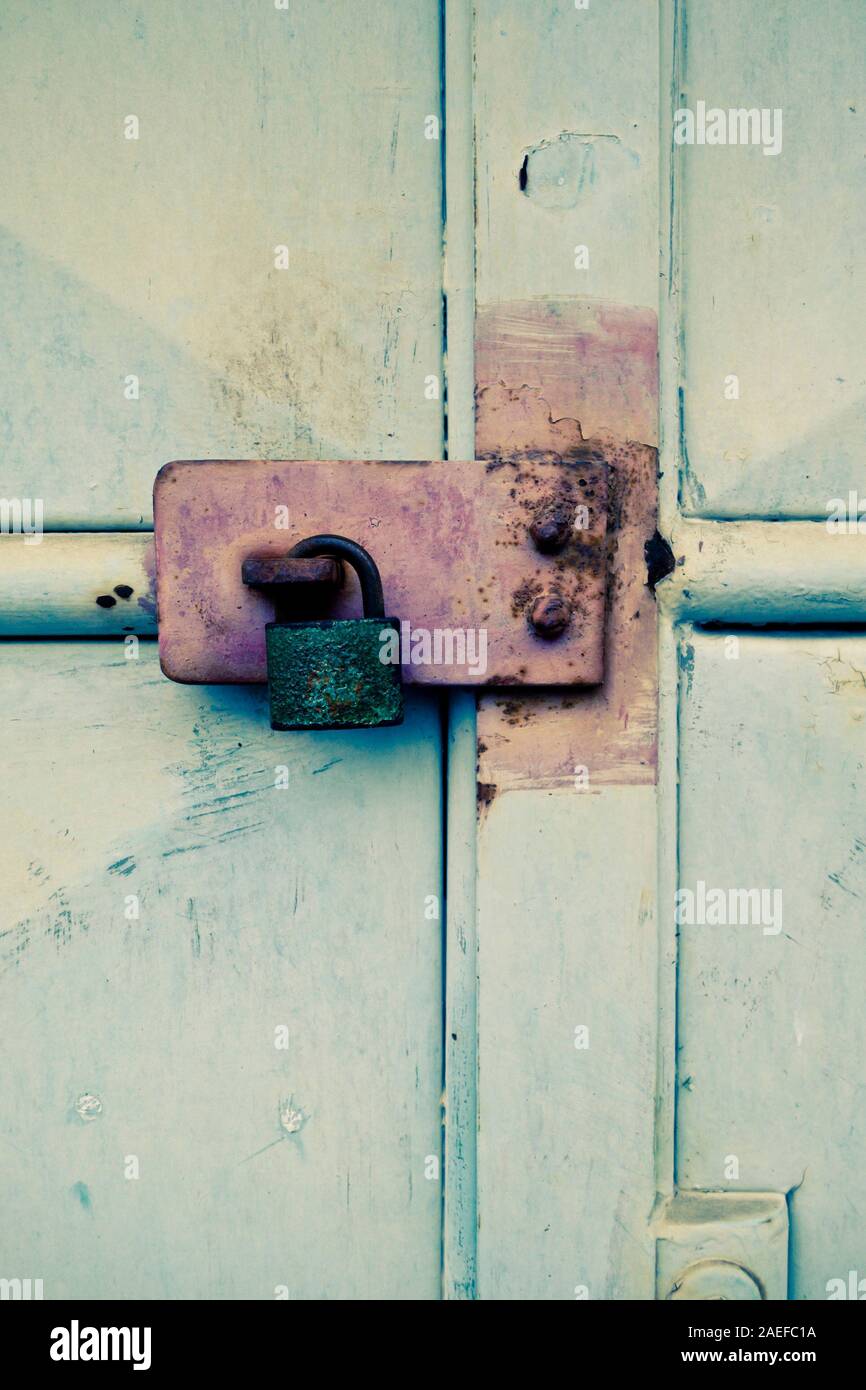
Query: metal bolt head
x=551, y=526
x=550, y=615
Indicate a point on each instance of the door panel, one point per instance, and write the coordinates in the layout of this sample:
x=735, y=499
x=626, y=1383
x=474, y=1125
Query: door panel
x=192, y=891
x=303, y=908
x=772, y=288
x=566, y=880
x=154, y=258
x=566, y=1044
x=566, y=159
x=771, y=1022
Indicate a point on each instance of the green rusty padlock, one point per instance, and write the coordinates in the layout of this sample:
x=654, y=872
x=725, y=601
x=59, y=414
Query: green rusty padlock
x=330, y=673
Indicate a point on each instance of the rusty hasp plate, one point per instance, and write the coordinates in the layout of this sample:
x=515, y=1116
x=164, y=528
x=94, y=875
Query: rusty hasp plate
x=496, y=569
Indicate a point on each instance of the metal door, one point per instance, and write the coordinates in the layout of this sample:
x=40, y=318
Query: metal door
x=347, y=1015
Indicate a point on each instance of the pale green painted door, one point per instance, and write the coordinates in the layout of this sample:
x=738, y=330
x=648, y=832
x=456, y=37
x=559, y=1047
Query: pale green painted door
x=221, y=994
x=640, y=1079
x=624, y=1095
x=222, y=973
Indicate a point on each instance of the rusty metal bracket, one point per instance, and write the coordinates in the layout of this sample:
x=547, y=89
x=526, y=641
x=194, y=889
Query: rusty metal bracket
x=295, y=585
x=496, y=569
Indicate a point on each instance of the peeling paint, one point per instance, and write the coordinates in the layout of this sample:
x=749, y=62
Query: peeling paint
x=569, y=169
x=291, y=1119
x=88, y=1107
x=81, y=1193
x=686, y=663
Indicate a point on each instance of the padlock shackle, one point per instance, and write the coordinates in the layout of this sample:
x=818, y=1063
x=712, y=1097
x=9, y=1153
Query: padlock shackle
x=355, y=555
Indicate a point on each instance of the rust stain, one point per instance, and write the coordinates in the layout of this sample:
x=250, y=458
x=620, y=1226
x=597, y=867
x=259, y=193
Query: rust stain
x=486, y=794
x=578, y=381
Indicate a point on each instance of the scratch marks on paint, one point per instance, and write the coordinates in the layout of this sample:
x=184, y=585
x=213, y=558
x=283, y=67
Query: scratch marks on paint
x=207, y=929
x=218, y=790
x=217, y=804
x=325, y=766
x=853, y=868
x=686, y=661
x=837, y=879
x=219, y=839
x=836, y=668
x=61, y=925
x=14, y=942
x=394, y=137
x=124, y=866
x=693, y=493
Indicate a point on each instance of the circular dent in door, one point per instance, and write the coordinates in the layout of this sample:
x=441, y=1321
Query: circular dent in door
x=716, y=1280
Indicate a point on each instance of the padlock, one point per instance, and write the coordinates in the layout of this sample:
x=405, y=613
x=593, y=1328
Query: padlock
x=336, y=673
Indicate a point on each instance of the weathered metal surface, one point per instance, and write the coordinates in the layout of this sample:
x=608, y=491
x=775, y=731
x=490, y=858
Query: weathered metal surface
x=299, y=587
x=595, y=366
x=287, y=571
x=452, y=542
x=329, y=675
x=340, y=674
x=550, y=615
x=583, y=377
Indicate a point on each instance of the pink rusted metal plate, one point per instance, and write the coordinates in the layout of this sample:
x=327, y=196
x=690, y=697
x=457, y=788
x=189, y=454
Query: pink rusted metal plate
x=550, y=372
x=452, y=541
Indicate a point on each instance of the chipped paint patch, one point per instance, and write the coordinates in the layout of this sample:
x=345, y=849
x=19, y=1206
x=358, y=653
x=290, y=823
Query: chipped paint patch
x=659, y=558
x=88, y=1107
x=571, y=168
x=291, y=1119
x=81, y=1192
x=686, y=663
x=486, y=795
